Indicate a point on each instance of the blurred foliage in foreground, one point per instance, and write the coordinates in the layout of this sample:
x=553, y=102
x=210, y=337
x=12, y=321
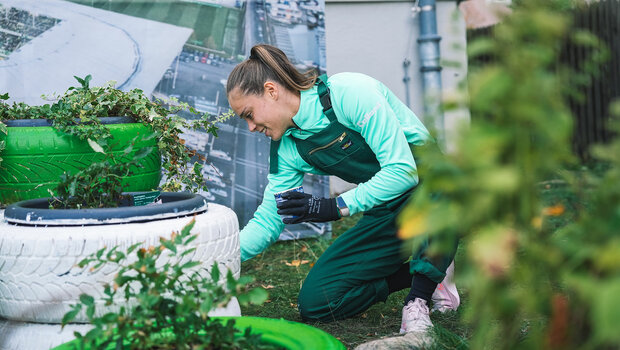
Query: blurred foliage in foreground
x=531, y=284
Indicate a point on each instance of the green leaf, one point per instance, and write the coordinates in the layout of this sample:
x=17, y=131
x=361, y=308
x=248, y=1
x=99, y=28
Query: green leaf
x=188, y=251
x=109, y=317
x=90, y=311
x=70, y=316
x=190, y=239
x=606, y=311
x=480, y=47
x=243, y=280
x=168, y=244
x=190, y=264
x=187, y=228
x=133, y=247
x=197, y=168
x=255, y=296
x=100, y=252
x=4, y=96
x=80, y=80
x=87, y=300
x=3, y=128
x=215, y=272
x=84, y=262
x=206, y=305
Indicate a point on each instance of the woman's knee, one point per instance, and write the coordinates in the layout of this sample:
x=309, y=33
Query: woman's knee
x=313, y=305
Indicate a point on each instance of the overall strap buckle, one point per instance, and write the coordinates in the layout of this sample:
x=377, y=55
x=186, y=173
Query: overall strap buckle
x=325, y=98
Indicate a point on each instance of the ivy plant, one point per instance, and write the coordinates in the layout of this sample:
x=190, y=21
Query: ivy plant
x=78, y=112
x=160, y=299
x=100, y=184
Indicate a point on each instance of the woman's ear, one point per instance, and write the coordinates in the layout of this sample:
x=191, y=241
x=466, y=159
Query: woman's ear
x=271, y=89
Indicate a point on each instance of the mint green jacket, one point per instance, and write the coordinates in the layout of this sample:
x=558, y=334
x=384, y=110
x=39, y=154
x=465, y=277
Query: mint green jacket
x=360, y=103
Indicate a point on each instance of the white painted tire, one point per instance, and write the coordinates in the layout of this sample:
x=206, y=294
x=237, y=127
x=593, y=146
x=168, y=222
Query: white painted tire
x=16, y=335
x=39, y=279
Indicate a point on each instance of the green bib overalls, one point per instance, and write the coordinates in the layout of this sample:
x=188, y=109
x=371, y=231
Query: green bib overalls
x=351, y=274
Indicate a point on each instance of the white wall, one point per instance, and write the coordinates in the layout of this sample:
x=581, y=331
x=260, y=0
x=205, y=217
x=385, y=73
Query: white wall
x=375, y=37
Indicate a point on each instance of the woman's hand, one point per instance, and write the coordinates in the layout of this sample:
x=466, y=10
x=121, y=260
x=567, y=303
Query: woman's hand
x=305, y=207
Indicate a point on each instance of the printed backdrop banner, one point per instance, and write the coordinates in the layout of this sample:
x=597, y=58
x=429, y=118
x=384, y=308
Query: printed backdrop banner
x=183, y=49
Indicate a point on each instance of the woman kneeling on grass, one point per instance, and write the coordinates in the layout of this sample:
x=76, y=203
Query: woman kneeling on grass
x=353, y=127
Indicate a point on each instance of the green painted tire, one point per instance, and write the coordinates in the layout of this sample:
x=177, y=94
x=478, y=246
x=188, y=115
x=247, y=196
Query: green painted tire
x=35, y=157
x=279, y=332
x=288, y=334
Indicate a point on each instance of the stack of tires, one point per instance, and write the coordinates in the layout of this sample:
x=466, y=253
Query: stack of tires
x=40, y=249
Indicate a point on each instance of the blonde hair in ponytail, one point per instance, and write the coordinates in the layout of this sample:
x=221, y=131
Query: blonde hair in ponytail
x=265, y=63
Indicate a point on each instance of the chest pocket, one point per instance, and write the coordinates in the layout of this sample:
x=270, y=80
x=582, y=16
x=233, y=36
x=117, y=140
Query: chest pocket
x=336, y=150
x=340, y=151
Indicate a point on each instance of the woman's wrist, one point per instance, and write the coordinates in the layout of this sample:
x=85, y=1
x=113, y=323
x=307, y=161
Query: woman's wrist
x=343, y=210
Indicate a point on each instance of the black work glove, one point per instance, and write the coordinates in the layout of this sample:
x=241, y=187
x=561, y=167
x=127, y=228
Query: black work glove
x=306, y=207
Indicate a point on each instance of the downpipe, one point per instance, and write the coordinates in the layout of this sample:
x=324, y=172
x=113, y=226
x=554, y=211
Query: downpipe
x=428, y=48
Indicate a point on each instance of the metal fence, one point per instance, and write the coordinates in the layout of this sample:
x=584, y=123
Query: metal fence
x=591, y=109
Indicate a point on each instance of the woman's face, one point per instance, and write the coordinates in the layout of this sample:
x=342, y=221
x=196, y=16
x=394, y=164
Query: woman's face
x=266, y=113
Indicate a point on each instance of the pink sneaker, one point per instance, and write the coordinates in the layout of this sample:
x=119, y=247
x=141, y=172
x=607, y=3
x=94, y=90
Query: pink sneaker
x=416, y=317
x=446, y=297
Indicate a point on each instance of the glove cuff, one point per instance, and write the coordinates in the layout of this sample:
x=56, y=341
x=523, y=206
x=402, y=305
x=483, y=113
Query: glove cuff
x=332, y=208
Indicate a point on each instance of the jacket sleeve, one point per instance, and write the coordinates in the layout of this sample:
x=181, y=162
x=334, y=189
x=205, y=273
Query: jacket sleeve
x=266, y=225
x=369, y=108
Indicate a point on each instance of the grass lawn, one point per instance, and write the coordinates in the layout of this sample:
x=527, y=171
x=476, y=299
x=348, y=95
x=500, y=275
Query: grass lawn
x=282, y=269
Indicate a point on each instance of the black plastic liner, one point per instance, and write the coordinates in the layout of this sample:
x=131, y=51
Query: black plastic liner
x=36, y=212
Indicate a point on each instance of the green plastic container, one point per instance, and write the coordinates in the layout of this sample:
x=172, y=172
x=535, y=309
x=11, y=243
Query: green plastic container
x=35, y=156
x=279, y=332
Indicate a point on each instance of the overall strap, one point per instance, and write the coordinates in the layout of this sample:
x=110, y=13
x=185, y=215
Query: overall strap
x=324, y=97
x=273, y=156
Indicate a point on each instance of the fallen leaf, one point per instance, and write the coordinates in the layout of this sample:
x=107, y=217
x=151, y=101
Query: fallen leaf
x=269, y=286
x=555, y=210
x=268, y=300
x=304, y=249
x=296, y=262
x=294, y=305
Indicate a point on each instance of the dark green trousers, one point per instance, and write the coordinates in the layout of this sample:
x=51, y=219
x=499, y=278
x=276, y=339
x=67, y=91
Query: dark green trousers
x=351, y=274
